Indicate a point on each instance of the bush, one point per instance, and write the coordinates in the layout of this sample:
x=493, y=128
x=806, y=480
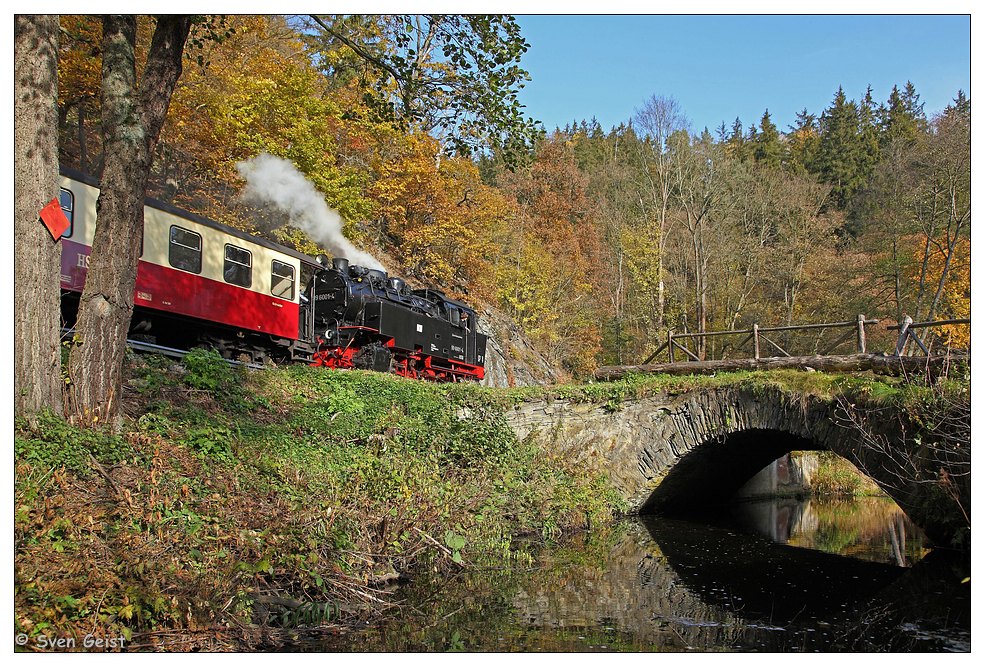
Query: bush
x=206, y=369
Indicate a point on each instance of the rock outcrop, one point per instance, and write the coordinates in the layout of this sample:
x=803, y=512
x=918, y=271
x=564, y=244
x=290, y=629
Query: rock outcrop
x=511, y=359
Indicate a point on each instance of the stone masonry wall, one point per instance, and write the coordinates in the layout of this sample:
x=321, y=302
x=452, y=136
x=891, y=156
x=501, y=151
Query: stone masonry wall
x=663, y=449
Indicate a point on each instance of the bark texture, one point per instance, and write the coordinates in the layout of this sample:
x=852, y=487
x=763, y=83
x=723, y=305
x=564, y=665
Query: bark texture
x=37, y=257
x=132, y=121
x=848, y=363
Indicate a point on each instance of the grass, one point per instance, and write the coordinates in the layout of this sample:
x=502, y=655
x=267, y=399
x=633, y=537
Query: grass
x=235, y=497
x=835, y=476
x=228, y=488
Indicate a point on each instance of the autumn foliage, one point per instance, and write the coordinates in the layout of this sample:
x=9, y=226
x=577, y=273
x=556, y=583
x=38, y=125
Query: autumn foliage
x=596, y=242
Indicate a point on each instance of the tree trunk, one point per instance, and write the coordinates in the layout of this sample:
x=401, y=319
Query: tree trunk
x=849, y=363
x=131, y=125
x=37, y=258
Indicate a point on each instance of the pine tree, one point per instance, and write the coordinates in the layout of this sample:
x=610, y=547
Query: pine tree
x=901, y=117
x=962, y=105
x=914, y=107
x=839, y=155
x=768, y=150
x=736, y=144
x=868, y=135
x=722, y=132
x=803, y=142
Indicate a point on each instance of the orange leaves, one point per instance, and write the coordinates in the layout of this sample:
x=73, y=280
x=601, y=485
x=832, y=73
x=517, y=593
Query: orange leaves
x=438, y=212
x=552, y=275
x=955, y=298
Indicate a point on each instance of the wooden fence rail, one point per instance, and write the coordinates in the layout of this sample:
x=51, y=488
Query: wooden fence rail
x=758, y=336
x=906, y=334
x=894, y=364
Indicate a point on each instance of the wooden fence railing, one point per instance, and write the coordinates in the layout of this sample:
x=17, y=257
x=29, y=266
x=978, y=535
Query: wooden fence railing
x=818, y=360
x=906, y=334
x=758, y=336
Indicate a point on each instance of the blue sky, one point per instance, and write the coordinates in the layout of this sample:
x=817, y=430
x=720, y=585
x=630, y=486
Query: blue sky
x=720, y=67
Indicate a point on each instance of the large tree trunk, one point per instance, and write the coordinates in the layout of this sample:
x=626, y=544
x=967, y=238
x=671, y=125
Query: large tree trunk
x=849, y=363
x=131, y=125
x=37, y=257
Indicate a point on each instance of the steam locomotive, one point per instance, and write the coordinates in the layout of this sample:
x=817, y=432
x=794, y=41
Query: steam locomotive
x=202, y=283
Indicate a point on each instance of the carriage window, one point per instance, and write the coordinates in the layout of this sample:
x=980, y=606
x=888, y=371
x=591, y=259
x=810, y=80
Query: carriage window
x=238, y=267
x=185, y=250
x=67, y=201
x=282, y=280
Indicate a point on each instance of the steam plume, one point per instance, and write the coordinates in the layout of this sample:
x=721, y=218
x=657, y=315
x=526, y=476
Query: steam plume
x=272, y=181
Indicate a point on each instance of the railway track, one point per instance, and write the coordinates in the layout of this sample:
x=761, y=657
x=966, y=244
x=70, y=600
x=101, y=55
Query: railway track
x=173, y=352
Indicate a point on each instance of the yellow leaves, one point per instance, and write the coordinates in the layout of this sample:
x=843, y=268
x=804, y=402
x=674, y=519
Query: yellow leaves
x=79, y=64
x=438, y=212
x=955, y=302
x=956, y=293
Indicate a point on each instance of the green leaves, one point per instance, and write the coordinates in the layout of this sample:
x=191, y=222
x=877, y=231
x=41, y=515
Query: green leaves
x=449, y=75
x=456, y=543
x=48, y=440
x=206, y=369
x=211, y=442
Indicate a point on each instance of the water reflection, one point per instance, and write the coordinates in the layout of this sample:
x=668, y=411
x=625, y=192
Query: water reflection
x=872, y=528
x=659, y=585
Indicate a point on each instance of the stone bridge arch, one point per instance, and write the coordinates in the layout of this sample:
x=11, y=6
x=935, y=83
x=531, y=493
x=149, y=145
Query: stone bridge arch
x=664, y=451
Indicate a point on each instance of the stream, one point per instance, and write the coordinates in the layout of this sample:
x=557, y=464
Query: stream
x=772, y=576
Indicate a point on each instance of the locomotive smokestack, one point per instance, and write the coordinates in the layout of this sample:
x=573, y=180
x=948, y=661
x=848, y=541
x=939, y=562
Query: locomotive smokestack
x=341, y=264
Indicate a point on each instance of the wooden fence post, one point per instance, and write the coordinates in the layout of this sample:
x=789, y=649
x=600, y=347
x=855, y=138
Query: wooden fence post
x=904, y=332
x=861, y=334
x=670, y=345
x=755, y=341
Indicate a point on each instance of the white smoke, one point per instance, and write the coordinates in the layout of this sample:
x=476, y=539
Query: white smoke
x=272, y=181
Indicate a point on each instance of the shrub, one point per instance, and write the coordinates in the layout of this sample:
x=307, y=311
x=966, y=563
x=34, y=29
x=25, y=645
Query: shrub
x=206, y=369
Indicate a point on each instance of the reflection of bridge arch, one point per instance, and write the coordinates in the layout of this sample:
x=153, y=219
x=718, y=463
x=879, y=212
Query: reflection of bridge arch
x=758, y=579
x=674, y=585
x=663, y=452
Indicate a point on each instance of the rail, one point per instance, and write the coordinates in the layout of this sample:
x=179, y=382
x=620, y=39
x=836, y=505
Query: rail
x=173, y=352
x=757, y=335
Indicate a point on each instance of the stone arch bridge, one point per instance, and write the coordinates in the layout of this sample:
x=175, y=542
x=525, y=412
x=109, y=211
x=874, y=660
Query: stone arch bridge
x=669, y=452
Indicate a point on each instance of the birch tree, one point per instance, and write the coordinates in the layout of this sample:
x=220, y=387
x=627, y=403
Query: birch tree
x=658, y=119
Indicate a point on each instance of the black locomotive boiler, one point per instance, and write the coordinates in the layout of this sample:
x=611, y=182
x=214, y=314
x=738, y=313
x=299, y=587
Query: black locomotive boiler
x=366, y=319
